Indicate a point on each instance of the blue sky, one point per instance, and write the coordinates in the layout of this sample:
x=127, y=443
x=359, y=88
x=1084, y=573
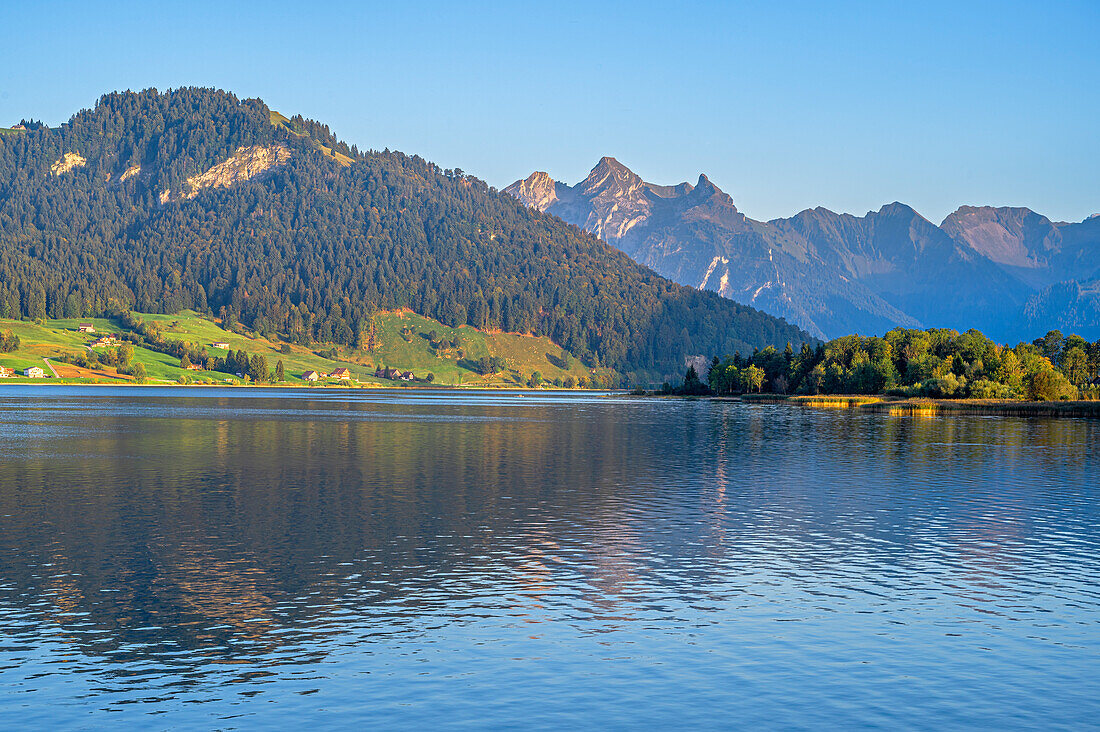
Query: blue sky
x=784, y=105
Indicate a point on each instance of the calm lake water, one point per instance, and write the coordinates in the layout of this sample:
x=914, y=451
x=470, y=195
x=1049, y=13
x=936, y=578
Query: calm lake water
x=175, y=558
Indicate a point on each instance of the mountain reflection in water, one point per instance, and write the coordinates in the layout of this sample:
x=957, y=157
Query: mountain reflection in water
x=233, y=557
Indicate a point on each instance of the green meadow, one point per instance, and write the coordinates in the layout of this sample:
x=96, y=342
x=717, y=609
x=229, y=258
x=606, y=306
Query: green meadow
x=403, y=340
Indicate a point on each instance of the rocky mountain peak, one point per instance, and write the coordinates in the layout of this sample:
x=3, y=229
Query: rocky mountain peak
x=899, y=209
x=538, y=190
x=1014, y=236
x=705, y=189
x=610, y=177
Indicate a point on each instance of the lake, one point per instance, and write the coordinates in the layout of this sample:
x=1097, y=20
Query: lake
x=251, y=558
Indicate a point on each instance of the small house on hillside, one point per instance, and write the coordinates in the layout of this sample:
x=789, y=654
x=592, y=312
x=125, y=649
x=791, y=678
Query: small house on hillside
x=407, y=376
x=310, y=376
x=194, y=367
x=5, y=372
x=86, y=328
x=220, y=344
x=341, y=373
x=20, y=127
x=34, y=372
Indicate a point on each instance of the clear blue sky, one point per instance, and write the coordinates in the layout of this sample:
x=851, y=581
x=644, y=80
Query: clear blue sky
x=846, y=105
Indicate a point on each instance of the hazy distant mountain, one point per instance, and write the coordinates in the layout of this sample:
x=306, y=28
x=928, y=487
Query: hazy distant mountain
x=1072, y=307
x=912, y=264
x=836, y=273
x=1059, y=261
x=1034, y=248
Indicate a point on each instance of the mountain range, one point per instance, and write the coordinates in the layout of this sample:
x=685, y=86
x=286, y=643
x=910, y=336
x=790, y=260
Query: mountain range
x=1010, y=272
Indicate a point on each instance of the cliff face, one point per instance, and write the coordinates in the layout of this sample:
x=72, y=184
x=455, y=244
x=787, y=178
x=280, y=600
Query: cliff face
x=247, y=163
x=67, y=162
x=129, y=173
x=836, y=273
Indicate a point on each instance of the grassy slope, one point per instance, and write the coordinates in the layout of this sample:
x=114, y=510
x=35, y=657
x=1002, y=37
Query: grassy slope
x=280, y=120
x=403, y=344
x=525, y=354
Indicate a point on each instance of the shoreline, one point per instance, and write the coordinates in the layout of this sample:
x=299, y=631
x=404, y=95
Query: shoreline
x=865, y=404
x=926, y=406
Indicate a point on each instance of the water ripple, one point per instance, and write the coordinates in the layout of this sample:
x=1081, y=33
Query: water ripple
x=234, y=559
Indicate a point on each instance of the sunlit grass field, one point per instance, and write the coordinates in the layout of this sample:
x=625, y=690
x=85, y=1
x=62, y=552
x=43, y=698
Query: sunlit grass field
x=403, y=341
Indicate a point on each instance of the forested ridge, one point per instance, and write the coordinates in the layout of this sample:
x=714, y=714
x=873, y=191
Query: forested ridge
x=311, y=248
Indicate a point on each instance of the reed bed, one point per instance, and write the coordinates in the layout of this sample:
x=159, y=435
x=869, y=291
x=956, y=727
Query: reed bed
x=835, y=401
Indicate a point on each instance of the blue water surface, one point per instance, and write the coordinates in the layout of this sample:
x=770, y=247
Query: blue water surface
x=258, y=559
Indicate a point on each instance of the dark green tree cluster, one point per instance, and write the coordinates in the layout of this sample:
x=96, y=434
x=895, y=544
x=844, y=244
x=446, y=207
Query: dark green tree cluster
x=9, y=341
x=932, y=363
x=441, y=344
x=692, y=385
x=240, y=363
x=491, y=364
x=313, y=249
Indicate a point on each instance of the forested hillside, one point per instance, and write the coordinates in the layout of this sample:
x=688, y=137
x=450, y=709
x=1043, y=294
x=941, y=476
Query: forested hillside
x=195, y=199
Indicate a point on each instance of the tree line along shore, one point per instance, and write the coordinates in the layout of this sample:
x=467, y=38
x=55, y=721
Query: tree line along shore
x=907, y=364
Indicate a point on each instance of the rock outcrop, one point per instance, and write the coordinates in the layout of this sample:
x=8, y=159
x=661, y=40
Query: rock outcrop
x=245, y=164
x=67, y=162
x=537, y=191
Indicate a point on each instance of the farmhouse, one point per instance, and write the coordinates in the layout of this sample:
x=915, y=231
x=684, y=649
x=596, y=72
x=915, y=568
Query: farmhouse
x=341, y=373
x=33, y=372
x=86, y=328
x=220, y=344
x=407, y=376
x=5, y=372
x=310, y=376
